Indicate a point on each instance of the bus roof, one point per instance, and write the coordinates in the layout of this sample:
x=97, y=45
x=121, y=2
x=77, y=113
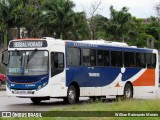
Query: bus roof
x=103, y=42
x=88, y=43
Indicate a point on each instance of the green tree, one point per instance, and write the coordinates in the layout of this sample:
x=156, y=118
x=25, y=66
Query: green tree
x=117, y=27
x=32, y=11
x=49, y=17
x=79, y=30
x=152, y=28
x=136, y=35
x=17, y=13
x=56, y=18
x=8, y=14
x=100, y=24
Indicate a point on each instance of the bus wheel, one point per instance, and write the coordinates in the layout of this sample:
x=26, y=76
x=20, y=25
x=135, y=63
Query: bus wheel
x=128, y=91
x=36, y=100
x=71, y=95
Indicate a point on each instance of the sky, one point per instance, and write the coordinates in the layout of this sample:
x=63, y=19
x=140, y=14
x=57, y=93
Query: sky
x=137, y=8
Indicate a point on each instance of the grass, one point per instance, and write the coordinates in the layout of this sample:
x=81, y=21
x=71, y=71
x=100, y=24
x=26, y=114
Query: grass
x=128, y=105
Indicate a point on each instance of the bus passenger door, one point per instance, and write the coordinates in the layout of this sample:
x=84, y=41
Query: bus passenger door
x=57, y=74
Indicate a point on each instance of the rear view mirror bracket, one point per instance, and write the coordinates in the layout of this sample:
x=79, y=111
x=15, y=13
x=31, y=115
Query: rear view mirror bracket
x=4, y=58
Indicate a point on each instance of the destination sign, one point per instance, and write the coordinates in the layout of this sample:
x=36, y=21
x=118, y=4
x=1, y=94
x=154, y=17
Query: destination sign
x=28, y=44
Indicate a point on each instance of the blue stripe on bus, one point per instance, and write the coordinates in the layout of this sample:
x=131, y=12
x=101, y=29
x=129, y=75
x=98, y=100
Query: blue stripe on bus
x=106, y=75
x=129, y=72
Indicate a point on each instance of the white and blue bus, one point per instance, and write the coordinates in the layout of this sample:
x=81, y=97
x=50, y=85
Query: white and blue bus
x=46, y=68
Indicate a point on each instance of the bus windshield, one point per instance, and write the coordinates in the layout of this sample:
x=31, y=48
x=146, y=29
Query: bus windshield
x=28, y=62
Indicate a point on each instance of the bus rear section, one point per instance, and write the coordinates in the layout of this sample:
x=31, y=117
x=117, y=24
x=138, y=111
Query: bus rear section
x=99, y=70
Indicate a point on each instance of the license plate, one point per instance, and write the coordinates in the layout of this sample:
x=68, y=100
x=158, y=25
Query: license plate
x=22, y=92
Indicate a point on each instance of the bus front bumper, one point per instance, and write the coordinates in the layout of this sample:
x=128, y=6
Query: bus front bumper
x=44, y=92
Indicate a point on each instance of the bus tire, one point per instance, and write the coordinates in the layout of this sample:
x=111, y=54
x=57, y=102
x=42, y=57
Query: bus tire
x=72, y=95
x=128, y=91
x=36, y=100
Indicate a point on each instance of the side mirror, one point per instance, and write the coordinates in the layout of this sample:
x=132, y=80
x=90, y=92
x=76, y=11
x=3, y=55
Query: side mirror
x=4, y=58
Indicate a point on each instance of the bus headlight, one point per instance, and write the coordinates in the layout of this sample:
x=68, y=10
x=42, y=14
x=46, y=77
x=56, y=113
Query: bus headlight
x=45, y=83
x=39, y=87
x=8, y=85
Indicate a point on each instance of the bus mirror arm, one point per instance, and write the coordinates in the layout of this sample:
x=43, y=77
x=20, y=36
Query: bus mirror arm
x=3, y=57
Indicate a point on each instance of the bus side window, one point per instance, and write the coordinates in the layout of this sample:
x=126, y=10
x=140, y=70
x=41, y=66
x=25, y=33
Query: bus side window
x=103, y=58
x=129, y=59
x=116, y=58
x=73, y=56
x=57, y=63
x=89, y=57
x=140, y=60
x=151, y=60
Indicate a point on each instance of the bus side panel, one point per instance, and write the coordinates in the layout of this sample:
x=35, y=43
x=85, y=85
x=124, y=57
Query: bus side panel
x=93, y=81
x=144, y=81
x=58, y=88
x=147, y=82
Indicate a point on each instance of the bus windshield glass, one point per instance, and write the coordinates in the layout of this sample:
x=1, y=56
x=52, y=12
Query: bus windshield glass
x=28, y=62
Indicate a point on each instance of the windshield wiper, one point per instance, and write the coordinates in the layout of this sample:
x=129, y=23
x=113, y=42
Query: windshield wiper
x=21, y=61
x=21, y=57
x=18, y=53
x=31, y=56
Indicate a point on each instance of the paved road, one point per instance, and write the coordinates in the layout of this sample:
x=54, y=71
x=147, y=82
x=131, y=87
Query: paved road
x=24, y=104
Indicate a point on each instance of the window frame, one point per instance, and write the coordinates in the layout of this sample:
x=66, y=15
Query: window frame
x=118, y=65
x=54, y=70
x=152, y=66
x=80, y=57
x=95, y=57
x=134, y=62
x=103, y=57
x=140, y=58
